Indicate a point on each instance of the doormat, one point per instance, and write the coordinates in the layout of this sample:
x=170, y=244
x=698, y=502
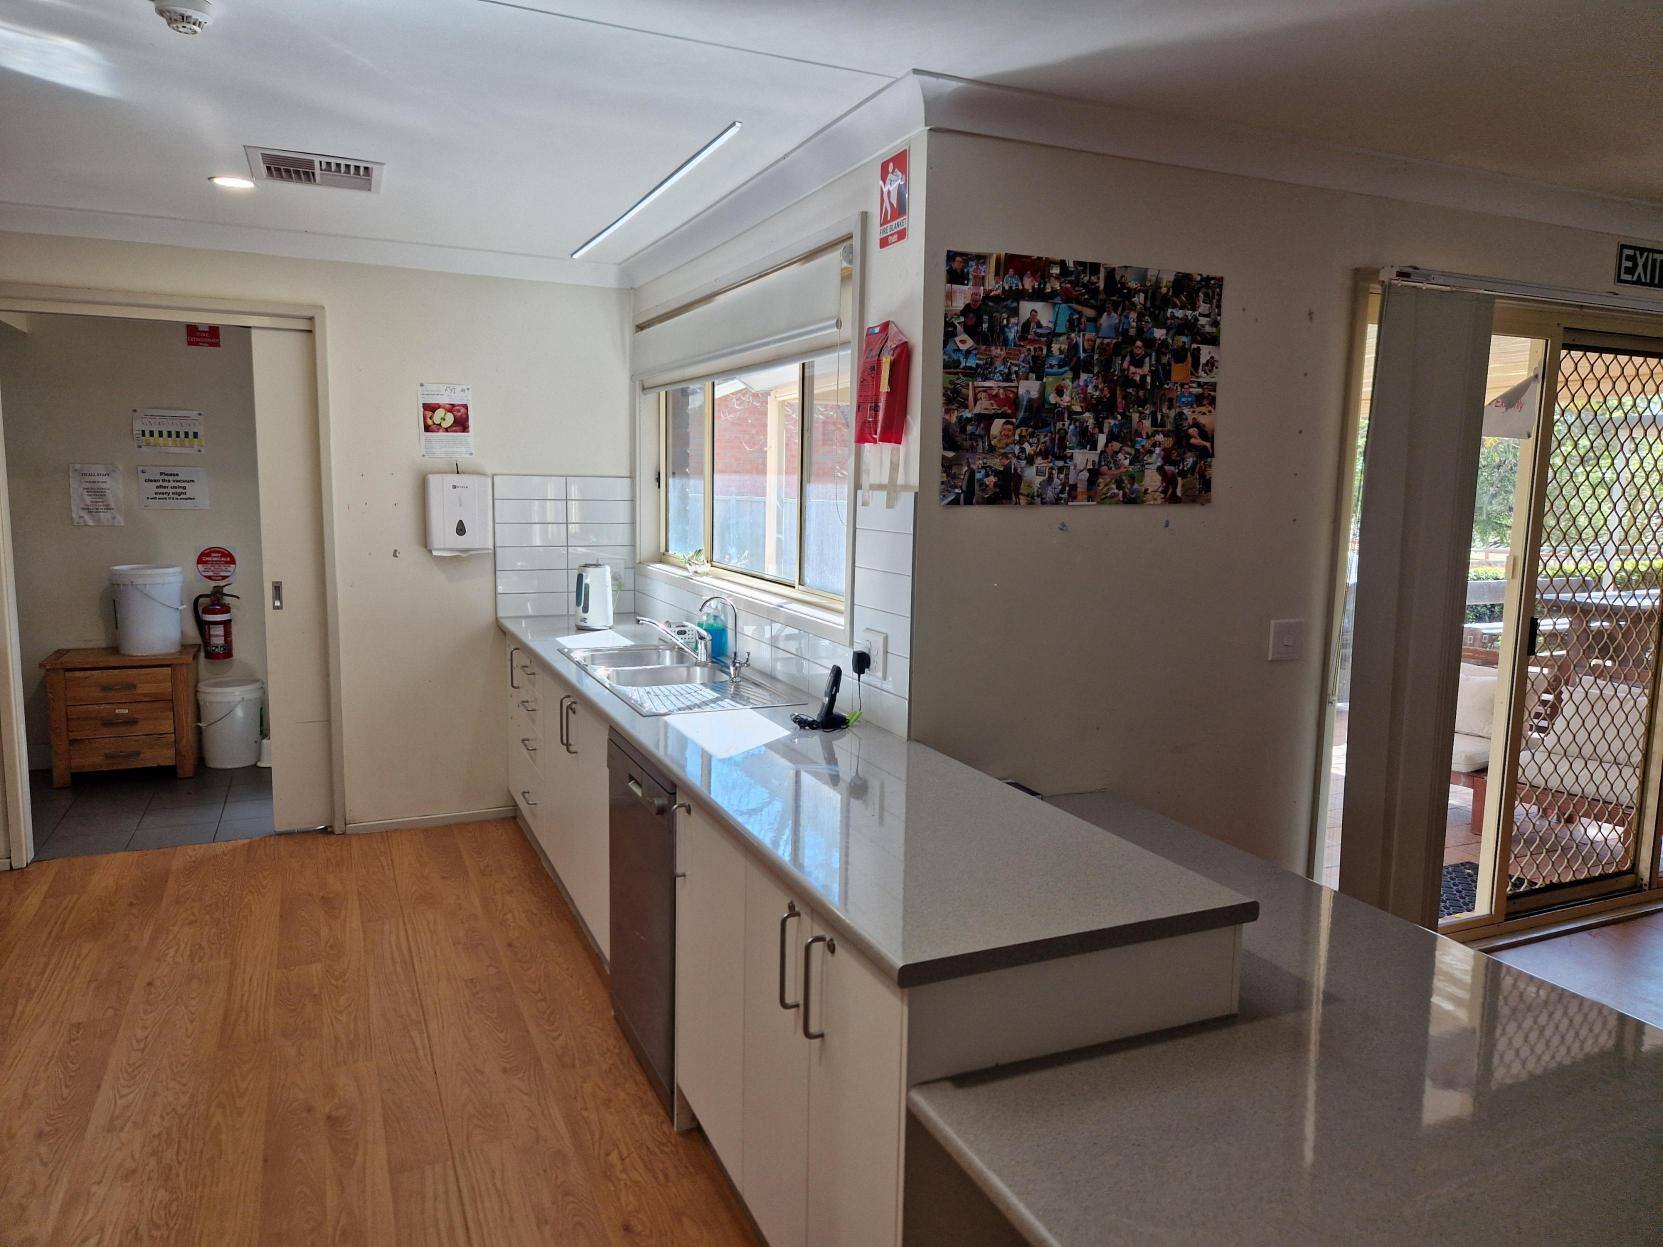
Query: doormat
x=1460, y=889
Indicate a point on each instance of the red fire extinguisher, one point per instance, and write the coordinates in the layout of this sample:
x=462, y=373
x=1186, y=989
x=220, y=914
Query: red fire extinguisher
x=213, y=623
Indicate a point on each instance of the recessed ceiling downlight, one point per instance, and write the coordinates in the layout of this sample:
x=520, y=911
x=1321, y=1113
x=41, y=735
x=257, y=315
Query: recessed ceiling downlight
x=227, y=182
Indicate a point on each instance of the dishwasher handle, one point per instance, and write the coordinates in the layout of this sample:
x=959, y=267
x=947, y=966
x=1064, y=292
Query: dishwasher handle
x=657, y=804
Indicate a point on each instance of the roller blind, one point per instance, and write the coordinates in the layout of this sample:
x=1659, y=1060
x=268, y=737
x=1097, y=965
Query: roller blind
x=792, y=311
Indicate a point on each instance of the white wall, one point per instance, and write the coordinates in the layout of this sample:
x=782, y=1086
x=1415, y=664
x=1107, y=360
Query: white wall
x=1128, y=650
x=892, y=290
x=68, y=391
x=422, y=659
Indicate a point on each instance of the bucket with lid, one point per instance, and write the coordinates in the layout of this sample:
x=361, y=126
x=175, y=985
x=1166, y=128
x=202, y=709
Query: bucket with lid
x=147, y=608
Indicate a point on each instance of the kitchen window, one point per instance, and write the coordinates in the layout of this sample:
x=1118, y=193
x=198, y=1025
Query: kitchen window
x=757, y=479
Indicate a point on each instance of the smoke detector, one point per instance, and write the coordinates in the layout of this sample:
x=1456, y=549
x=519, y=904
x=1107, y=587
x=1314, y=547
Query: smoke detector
x=186, y=17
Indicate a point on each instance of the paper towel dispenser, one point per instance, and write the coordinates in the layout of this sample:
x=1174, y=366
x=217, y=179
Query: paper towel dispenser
x=458, y=513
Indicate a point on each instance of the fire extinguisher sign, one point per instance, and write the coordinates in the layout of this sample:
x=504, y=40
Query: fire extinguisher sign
x=217, y=565
x=893, y=190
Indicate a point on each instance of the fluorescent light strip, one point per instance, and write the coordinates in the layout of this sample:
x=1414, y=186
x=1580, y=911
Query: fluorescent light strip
x=682, y=170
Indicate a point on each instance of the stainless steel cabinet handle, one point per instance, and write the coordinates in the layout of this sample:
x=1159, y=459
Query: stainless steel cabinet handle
x=808, y=984
x=562, y=714
x=525, y=705
x=512, y=650
x=525, y=668
x=525, y=795
x=785, y=921
x=525, y=743
x=658, y=805
x=571, y=711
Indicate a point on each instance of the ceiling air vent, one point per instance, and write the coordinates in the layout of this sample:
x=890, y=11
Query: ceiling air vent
x=271, y=164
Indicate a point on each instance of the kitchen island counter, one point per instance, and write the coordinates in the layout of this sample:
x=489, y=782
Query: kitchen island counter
x=1381, y=1084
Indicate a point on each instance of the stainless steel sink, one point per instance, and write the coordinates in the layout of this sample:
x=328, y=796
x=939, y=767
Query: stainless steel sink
x=633, y=656
x=666, y=679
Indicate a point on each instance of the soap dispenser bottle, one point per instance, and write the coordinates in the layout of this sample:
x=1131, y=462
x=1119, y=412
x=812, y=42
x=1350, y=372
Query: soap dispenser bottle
x=715, y=629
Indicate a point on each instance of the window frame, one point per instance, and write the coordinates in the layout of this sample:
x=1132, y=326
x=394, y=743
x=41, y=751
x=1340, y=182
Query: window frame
x=795, y=587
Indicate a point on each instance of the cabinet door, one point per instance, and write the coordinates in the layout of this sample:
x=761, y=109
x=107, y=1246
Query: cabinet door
x=710, y=981
x=775, y=1113
x=584, y=808
x=525, y=784
x=856, y=1098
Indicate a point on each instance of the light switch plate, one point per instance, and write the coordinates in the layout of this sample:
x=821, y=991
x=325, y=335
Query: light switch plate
x=1287, y=640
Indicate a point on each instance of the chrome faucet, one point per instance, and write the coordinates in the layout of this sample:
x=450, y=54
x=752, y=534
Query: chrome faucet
x=676, y=634
x=736, y=664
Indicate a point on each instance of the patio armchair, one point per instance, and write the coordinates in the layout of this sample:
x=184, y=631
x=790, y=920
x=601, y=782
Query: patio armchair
x=1587, y=763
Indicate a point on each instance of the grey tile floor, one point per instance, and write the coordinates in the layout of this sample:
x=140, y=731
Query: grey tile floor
x=150, y=809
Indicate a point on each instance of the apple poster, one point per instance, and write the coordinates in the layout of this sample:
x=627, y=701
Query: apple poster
x=447, y=423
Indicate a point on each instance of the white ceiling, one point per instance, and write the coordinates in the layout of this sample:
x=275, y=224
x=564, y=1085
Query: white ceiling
x=512, y=134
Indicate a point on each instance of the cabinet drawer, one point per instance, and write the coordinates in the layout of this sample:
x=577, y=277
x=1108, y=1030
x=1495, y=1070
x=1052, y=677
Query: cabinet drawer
x=118, y=685
x=110, y=754
x=141, y=718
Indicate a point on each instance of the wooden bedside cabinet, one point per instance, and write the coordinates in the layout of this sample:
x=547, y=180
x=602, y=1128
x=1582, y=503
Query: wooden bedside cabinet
x=110, y=711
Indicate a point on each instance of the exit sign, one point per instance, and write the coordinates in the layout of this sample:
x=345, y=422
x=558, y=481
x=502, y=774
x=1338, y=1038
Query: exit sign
x=1640, y=266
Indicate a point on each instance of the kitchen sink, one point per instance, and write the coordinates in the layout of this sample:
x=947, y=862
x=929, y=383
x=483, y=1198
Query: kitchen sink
x=666, y=679
x=634, y=656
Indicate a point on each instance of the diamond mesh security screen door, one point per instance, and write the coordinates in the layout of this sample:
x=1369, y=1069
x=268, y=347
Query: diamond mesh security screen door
x=1579, y=775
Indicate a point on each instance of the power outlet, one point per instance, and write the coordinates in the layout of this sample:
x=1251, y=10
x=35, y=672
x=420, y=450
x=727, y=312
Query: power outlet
x=876, y=644
x=1287, y=640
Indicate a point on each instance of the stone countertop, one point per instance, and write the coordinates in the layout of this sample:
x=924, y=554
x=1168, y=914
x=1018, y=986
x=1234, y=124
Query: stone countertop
x=934, y=870
x=1381, y=1085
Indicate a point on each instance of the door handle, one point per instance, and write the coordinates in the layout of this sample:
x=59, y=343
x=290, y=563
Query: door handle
x=525, y=705
x=657, y=805
x=785, y=921
x=562, y=713
x=1535, y=634
x=571, y=710
x=277, y=595
x=512, y=650
x=808, y=983
x=525, y=743
x=525, y=795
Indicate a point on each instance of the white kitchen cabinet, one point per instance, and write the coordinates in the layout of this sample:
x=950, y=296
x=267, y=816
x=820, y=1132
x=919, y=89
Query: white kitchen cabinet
x=524, y=736
x=572, y=822
x=710, y=981
x=775, y=1113
x=856, y=1089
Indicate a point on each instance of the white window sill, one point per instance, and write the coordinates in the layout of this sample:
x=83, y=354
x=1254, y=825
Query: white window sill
x=832, y=625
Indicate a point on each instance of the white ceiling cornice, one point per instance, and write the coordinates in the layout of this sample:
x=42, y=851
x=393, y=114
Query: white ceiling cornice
x=302, y=245
x=1027, y=116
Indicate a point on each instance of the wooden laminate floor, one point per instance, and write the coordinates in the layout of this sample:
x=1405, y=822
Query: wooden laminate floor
x=1619, y=964
x=389, y=1038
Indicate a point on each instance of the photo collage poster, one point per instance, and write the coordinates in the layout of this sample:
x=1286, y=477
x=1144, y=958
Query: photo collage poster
x=1076, y=383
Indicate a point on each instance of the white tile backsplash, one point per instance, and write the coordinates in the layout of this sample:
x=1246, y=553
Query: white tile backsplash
x=533, y=582
x=528, y=486
x=531, y=510
x=601, y=534
x=884, y=551
x=599, y=511
x=531, y=558
x=876, y=512
x=537, y=549
x=885, y=591
x=602, y=487
x=531, y=534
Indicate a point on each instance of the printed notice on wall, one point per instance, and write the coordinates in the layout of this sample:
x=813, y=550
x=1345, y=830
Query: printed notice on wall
x=95, y=494
x=169, y=432
x=447, y=421
x=173, y=489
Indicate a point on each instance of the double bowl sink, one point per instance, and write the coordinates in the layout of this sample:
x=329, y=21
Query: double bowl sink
x=667, y=679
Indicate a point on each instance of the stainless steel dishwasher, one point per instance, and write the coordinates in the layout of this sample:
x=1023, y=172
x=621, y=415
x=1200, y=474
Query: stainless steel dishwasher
x=642, y=855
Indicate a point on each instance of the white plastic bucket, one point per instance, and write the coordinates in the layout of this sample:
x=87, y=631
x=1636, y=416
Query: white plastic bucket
x=147, y=608
x=230, y=721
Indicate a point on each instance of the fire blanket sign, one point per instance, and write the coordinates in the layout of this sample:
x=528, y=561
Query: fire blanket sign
x=892, y=199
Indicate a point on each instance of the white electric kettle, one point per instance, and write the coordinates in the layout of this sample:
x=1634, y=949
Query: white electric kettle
x=592, y=596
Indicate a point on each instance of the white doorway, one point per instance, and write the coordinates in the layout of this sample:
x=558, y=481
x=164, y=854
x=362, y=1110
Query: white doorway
x=269, y=502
